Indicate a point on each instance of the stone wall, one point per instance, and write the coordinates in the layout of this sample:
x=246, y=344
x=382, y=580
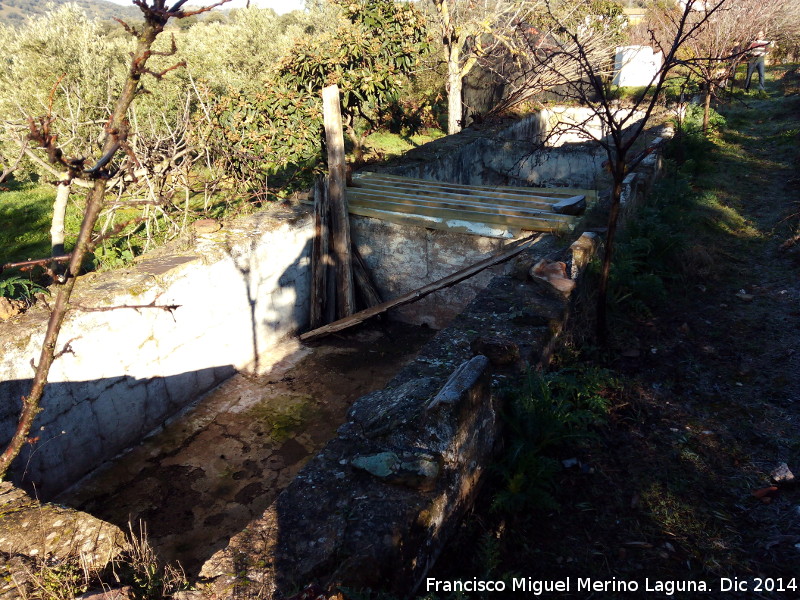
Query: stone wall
x=375, y=508
x=122, y=372
x=551, y=148
x=402, y=258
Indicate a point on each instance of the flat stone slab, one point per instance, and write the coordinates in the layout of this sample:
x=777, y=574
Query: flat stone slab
x=55, y=533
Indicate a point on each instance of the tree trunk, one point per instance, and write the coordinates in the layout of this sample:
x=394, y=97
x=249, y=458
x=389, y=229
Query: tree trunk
x=59, y=214
x=706, y=107
x=602, y=287
x=454, y=84
x=117, y=126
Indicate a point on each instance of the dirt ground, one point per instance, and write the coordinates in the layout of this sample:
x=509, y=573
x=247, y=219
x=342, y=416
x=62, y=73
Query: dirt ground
x=211, y=471
x=711, y=407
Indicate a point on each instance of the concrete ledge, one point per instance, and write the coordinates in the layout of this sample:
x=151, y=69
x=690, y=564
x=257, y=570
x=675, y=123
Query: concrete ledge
x=123, y=372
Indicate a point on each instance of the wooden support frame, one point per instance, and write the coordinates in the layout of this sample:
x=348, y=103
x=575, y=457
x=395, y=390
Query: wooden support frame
x=337, y=198
x=509, y=252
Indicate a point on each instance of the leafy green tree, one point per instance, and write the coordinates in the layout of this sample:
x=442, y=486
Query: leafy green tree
x=369, y=55
x=369, y=58
x=61, y=64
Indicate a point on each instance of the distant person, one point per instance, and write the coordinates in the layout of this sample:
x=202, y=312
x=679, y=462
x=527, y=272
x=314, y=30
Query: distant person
x=757, y=50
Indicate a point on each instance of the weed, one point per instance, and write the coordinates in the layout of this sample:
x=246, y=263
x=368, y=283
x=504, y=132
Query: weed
x=111, y=257
x=17, y=287
x=141, y=569
x=138, y=568
x=550, y=412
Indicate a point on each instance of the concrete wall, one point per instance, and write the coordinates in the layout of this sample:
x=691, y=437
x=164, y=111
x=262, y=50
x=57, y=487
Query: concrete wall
x=551, y=148
x=541, y=150
x=125, y=371
x=402, y=258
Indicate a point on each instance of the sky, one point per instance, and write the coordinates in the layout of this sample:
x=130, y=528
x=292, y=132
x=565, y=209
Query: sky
x=280, y=6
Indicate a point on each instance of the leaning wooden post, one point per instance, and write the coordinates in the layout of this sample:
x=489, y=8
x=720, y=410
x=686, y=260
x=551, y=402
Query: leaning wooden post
x=319, y=255
x=340, y=221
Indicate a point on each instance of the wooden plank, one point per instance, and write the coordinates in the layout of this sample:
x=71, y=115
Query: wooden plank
x=509, y=252
x=463, y=192
x=545, y=192
x=482, y=229
x=559, y=192
x=340, y=223
x=402, y=203
x=319, y=256
x=466, y=194
x=459, y=225
x=525, y=221
x=423, y=193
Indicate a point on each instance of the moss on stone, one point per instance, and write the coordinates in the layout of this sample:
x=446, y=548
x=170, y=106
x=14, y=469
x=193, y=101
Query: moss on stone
x=281, y=416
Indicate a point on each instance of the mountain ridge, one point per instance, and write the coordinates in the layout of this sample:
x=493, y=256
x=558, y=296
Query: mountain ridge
x=16, y=12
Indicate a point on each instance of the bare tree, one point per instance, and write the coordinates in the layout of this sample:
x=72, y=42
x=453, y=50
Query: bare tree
x=543, y=60
x=622, y=127
x=470, y=30
x=720, y=41
x=156, y=15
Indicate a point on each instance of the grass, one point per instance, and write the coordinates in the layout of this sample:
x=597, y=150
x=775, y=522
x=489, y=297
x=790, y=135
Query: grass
x=25, y=213
x=384, y=145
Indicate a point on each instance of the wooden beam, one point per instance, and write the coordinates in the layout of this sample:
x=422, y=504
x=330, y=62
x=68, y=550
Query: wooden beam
x=526, y=191
x=509, y=252
x=472, y=227
x=340, y=222
x=486, y=213
x=319, y=255
x=423, y=194
x=462, y=193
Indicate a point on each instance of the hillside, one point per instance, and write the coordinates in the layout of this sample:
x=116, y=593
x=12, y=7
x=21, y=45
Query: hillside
x=15, y=12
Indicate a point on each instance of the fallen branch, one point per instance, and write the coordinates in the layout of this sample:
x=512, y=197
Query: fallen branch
x=509, y=252
x=28, y=264
x=170, y=308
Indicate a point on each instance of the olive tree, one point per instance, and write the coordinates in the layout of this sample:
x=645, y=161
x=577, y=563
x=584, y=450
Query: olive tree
x=115, y=136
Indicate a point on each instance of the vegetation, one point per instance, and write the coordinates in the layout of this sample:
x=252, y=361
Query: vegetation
x=663, y=488
x=138, y=569
x=15, y=12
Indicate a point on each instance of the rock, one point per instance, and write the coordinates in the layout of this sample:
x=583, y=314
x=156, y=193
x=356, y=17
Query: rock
x=10, y=308
x=553, y=274
x=382, y=464
x=499, y=351
x=460, y=381
x=206, y=226
x=782, y=475
x=583, y=250
x=384, y=410
x=570, y=206
x=189, y=595
x=123, y=593
x=415, y=469
x=16, y=573
x=522, y=265
x=41, y=530
x=312, y=592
